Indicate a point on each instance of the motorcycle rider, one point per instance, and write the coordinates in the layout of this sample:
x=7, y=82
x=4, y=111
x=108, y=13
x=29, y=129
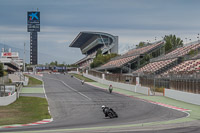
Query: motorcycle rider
x=82, y=82
x=105, y=110
x=110, y=89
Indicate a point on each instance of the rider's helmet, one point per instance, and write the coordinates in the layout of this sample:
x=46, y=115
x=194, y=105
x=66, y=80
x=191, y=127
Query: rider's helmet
x=103, y=106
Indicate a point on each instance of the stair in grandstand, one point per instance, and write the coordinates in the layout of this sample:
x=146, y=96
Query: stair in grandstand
x=126, y=69
x=169, y=66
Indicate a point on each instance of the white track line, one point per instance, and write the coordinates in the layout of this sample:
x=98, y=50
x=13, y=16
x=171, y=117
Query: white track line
x=71, y=88
x=44, y=94
x=76, y=91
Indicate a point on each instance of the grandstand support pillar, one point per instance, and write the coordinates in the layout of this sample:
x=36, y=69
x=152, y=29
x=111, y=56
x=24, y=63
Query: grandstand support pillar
x=103, y=41
x=138, y=66
x=129, y=66
x=154, y=83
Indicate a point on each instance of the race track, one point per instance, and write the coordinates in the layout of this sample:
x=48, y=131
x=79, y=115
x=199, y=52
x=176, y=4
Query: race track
x=73, y=105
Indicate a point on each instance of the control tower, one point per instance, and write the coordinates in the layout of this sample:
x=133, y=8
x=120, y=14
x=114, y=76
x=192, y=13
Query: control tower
x=33, y=26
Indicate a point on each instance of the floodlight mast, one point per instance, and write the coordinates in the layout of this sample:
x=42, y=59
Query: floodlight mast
x=24, y=58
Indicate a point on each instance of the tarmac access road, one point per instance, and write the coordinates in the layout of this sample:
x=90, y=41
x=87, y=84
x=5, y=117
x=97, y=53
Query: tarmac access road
x=75, y=106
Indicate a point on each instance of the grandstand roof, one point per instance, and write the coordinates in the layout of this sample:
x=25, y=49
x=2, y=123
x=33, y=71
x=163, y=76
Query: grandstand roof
x=84, y=36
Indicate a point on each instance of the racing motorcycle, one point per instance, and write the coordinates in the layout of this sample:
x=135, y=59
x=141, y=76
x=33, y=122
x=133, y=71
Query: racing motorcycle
x=112, y=114
x=109, y=112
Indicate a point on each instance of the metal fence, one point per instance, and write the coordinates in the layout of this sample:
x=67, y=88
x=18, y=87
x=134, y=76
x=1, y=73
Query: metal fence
x=4, y=79
x=121, y=78
x=95, y=73
x=182, y=82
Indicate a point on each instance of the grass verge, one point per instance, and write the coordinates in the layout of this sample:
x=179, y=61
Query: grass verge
x=33, y=81
x=82, y=77
x=24, y=110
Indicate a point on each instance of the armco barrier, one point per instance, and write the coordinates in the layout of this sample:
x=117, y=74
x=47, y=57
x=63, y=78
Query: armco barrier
x=134, y=88
x=8, y=99
x=183, y=96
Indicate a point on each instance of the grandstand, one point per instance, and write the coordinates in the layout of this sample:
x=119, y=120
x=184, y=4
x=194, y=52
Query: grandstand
x=132, y=59
x=157, y=67
x=189, y=66
x=173, y=62
x=179, y=52
x=90, y=42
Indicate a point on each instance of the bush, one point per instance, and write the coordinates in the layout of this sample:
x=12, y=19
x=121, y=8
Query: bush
x=192, y=52
x=159, y=89
x=1, y=70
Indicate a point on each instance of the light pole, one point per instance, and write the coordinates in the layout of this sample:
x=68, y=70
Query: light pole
x=186, y=40
x=24, y=57
x=198, y=37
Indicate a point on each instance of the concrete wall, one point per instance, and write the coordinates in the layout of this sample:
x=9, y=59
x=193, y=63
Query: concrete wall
x=134, y=88
x=8, y=99
x=25, y=82
x=183, y=96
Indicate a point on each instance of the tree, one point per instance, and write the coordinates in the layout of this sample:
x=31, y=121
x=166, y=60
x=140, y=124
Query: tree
x=98, y=52
x=168, y=45
x=54, y=63
x=141, y=44
x=1, y=70
x=172, y=42
x=72, y=65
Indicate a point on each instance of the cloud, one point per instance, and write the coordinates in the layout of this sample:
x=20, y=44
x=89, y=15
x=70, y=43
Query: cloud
x=132, y=20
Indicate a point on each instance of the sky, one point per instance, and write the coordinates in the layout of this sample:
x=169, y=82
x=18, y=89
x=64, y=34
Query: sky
x=62, y=20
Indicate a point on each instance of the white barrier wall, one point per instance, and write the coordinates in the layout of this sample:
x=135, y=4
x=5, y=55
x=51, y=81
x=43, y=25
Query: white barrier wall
x=183, y=96
x=73, y=72
x=134, y=88
x=8, y=99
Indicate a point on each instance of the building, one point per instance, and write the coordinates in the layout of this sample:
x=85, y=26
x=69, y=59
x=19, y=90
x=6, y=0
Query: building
x=11, y=61
x=90, y=42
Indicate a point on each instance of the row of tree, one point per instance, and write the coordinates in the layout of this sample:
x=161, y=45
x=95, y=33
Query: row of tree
x=101, y=59
x=55, y=63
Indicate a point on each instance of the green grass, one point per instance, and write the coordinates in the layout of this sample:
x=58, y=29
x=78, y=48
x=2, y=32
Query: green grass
x=82, y=77
x=33, y=81
x=24, y=110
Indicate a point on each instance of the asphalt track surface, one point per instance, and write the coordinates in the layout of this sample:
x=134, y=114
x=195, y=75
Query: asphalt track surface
x=73, y=105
